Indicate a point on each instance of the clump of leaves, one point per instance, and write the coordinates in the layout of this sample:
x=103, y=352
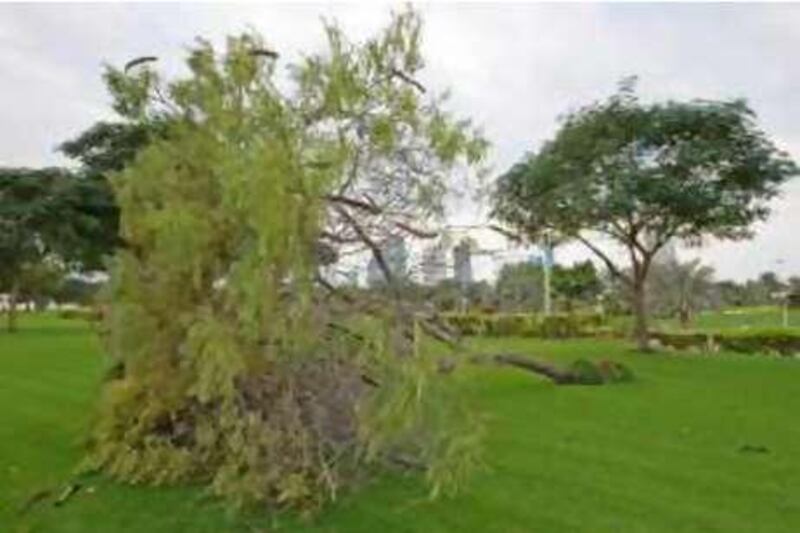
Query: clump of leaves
x=604, y=371
x=238, y=366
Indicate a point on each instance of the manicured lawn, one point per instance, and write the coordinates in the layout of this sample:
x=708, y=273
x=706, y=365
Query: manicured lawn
x=737, y=319
x=661, y=454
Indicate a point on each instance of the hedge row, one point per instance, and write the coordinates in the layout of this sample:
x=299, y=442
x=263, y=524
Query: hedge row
x=82, y=313
x=779, y=341
x=525, y=325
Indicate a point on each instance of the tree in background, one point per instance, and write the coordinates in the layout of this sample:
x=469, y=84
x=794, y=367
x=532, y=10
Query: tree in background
x=681, y=289
x=519, y=287
x=578, y=282
x=43, y=230
x=238, y=365
x=102, y=150
x=643, y=175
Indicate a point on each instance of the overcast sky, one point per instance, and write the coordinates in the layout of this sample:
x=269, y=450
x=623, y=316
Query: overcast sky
x=513, y=68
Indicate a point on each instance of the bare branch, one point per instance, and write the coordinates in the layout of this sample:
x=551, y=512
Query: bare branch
x=138, y=61
x=352, y=202
x=599, y=253
x=416, y=232
x=506, y=233
x=408, y=79
x=374, y=248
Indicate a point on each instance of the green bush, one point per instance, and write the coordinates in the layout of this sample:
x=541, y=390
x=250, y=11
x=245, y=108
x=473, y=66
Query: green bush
x=82, y=313
x=586, y=372
x=775, y=340
x=525, y=325
x=683, y=341
x=782, y=341
x=614, y=372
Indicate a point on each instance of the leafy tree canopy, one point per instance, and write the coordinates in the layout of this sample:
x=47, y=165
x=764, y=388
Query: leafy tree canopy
x=44, y=224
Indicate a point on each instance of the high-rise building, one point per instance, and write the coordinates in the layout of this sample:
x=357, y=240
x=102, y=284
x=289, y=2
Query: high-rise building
x=462, y=262
x=434, y=263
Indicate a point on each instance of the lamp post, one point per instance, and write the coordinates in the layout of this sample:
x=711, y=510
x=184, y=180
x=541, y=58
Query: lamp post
x=784, y=298
x=547, y=259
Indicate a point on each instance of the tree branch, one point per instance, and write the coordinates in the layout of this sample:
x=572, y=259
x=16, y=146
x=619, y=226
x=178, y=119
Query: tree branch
x=374, y=248
x=599, y=253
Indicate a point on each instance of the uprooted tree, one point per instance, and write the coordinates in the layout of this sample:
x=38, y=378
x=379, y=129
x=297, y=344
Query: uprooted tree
x=237, y=363
x=643, y=175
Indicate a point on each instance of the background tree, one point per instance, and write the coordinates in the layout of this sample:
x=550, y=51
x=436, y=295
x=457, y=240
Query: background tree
x=43, y=228
x=578, y=282
x=681, y=289
x=519, y=287
x=643, y=174
x=102, y=150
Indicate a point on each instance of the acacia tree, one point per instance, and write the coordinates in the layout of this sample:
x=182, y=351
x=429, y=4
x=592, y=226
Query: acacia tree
x=644, y=174
x=238, y=364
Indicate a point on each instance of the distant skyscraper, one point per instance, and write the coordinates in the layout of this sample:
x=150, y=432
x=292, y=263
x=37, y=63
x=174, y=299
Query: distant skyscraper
x=434, y=263
x=462, y=262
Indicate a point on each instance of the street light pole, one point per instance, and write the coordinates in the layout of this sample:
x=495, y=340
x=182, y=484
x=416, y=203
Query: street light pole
x=546, y=259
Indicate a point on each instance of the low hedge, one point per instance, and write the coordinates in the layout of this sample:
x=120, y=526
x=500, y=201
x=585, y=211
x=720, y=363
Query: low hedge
x=525, y=325
x=81, y=313
x=784, y=342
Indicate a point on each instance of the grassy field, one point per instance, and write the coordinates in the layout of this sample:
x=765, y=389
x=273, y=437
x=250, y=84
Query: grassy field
x=738, y=319
x=661, y=454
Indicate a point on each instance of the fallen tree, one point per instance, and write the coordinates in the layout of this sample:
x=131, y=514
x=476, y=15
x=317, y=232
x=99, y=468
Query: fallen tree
x=580, y=372
x=237, y=362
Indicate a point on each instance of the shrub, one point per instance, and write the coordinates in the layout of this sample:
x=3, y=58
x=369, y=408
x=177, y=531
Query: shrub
x=782, y=341
x=91, y=315
x=586, y=372
x=525, y=325
x=614, y=372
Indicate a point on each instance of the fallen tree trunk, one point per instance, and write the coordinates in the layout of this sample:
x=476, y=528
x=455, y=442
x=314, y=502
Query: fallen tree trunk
x=554, y=374
x=580, y=372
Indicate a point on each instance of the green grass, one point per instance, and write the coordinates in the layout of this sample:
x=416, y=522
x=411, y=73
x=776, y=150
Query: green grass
x=660, y=454
x=738, y=319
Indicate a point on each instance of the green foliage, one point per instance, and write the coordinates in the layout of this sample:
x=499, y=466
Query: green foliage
x=45, y=229
x=576, y=282
x=586, y=372
x=524, y=325
x=615, y=372
x=647, y=166
x=101, y=150
x=236, y=372
x=519, y=286
x=780, y=341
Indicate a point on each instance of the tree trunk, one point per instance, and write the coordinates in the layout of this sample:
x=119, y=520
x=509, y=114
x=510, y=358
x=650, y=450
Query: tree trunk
x=12, y=309
x=640, y=329
x=685, y=315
